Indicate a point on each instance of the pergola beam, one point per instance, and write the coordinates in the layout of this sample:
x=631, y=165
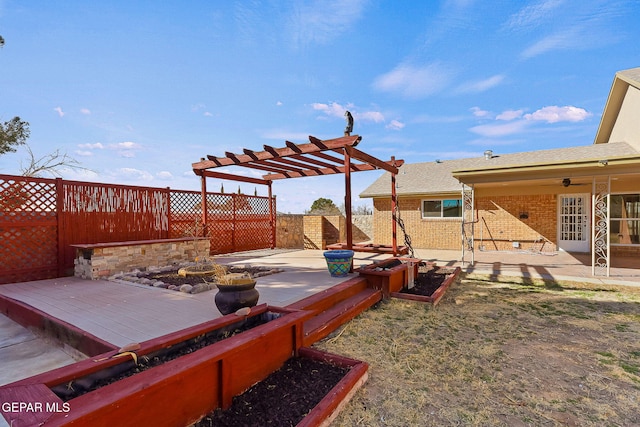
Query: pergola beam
x=316, y=145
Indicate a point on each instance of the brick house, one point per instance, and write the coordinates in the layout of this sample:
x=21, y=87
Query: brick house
x=577, y=199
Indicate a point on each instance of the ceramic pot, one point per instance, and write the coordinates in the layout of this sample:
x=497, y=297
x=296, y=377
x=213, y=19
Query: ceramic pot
x=236, y=295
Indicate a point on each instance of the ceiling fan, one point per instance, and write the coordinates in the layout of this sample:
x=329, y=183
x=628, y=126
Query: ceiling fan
x=567, y=182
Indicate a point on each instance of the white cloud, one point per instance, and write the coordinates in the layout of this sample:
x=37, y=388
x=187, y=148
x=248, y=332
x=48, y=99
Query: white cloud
x=321, y=21
x=335, y=109
x=481, y=85
x=554, y=114
x=84, y=153
x=126, y=149
x=127, y=145
x=479, y=112
x=279, y=103
x=369, y=116
x=133, y=174
x=516, y=122
x=96, y=145
x=395, y=125
x=332, y=110
x=85, y=111
x=207, y=114
x=59, y=111
x=164, y=175
x=509, y=115
x=414, y=82
x=569, y=38
x=497, y=130
x=533, y=15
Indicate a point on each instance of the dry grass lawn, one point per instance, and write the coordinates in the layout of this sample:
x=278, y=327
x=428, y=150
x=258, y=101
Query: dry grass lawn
x=492, y=354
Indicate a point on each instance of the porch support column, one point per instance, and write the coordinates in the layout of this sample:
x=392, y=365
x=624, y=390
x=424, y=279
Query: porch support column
x=394, y=215
x=467, y=222
x=601, y=227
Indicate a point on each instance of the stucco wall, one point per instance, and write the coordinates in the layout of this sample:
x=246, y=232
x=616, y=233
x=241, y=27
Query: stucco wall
x=627, y=125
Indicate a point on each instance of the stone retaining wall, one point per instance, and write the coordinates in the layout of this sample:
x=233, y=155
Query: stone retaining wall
x=100, y=261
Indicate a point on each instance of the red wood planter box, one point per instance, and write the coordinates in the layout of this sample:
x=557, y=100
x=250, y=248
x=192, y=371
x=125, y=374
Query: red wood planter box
x=435, y=297
x=177, y=392
x=329, y=407
x=389, y=275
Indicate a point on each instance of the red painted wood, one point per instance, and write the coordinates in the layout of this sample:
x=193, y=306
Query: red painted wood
x=389, y=280
x=39, y=403
x=184, y=389
x=326, y=298
x=338, y=395
x=329, y=320
x=41, y=218
x=435, y=298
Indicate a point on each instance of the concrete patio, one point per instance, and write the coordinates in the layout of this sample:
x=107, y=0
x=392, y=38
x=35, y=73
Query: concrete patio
x=122, y=313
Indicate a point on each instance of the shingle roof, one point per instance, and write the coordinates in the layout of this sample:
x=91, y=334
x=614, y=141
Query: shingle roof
x=631, y=76
x=436, y=177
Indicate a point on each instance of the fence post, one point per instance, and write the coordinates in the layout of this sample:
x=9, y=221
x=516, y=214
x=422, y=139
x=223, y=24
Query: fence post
x=168, y=235
x=61, y=232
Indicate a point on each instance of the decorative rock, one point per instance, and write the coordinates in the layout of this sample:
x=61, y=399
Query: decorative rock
x=172, y=287
x=146, y=281
x=186, y=288
x=200, y=287
x=160, y=284
x=244, y=311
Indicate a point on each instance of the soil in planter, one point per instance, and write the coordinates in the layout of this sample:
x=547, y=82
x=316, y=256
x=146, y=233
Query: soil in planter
x=281, y=399
x=172, y=277
x=128, y=368
x=429, y=279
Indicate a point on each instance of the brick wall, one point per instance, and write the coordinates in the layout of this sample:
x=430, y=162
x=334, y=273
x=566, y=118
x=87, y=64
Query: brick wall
x=320, y=231
x=499, y=224
x=437, y=233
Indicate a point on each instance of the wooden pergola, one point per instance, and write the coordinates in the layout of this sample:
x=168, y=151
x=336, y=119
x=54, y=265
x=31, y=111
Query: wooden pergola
x=315, y=158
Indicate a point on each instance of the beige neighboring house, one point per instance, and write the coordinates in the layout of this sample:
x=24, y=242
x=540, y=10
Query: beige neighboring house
x=579, y=199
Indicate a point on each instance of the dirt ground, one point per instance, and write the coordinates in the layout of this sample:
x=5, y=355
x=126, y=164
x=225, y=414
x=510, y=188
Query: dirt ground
x=498, y=354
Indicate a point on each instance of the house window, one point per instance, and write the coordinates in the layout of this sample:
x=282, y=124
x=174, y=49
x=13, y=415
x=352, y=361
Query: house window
x=447, y=208
x=625, y=219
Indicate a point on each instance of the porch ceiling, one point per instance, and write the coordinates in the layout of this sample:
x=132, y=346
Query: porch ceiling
x=583, y=169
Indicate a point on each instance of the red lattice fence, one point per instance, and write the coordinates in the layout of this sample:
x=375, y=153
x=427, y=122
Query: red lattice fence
x=41, y=218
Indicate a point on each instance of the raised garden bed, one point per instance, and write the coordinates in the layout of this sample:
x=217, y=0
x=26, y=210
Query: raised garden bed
x=430, y=285
x=308, y=390
x=389, y=275
x=177, y=392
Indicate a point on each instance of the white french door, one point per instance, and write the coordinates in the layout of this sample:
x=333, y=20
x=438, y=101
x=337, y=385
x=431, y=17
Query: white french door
x=573, y=222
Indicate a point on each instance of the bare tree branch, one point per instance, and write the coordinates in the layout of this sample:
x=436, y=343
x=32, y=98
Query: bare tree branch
x=50, y=163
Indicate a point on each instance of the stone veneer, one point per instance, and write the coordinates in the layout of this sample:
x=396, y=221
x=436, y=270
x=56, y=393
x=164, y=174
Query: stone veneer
x=102, y=260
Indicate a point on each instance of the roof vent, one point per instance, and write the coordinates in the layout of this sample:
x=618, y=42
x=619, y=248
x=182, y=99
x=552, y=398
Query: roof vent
x=488, y=154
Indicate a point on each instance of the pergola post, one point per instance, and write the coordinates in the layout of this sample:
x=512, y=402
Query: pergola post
x=347, y=198
x=272, y=219
x=203, y=197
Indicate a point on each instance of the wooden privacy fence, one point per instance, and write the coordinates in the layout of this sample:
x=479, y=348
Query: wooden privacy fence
x=40, y=218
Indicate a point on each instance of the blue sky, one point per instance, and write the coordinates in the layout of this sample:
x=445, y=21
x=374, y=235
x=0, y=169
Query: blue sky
x=138, y=91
